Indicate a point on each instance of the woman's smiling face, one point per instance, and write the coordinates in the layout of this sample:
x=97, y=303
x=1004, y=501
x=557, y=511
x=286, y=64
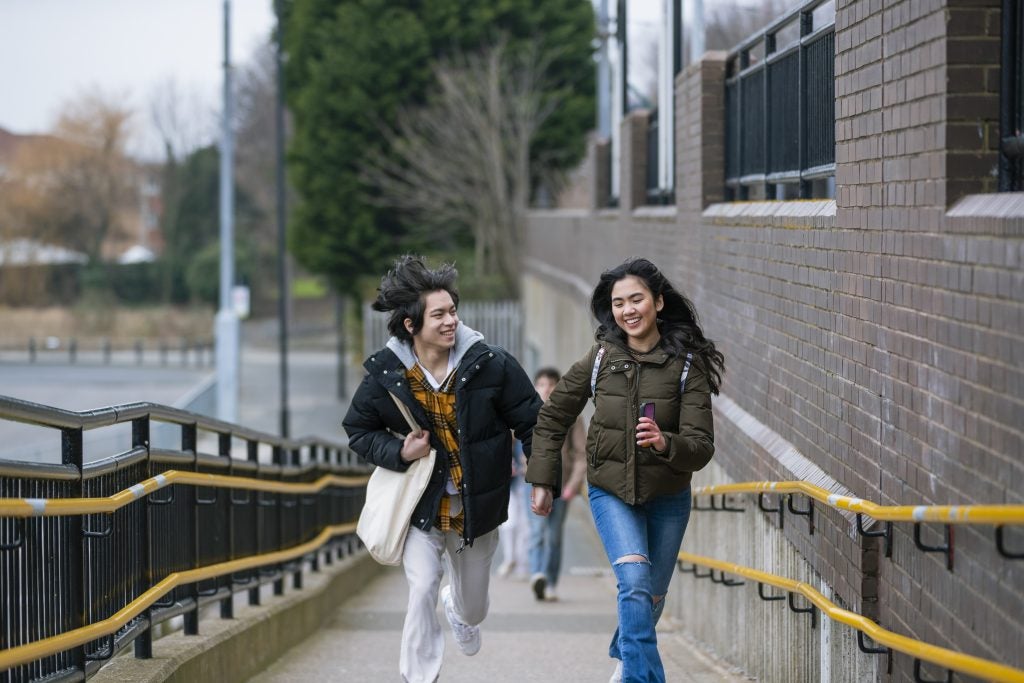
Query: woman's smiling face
x=636, y=311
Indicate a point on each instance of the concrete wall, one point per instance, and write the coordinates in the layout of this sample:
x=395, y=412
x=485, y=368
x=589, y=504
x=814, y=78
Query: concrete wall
x=874, y=344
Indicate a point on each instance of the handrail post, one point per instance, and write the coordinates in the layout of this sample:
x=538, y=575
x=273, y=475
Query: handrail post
x=188, y=444
x=144, y=641
x=297, y=575
x=72, y=453
x=318, y=521
x=279, y=508
x=227, y=605
x=252, y=452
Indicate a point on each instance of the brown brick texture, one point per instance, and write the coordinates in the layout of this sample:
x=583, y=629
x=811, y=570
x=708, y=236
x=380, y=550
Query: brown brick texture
x=882, y=334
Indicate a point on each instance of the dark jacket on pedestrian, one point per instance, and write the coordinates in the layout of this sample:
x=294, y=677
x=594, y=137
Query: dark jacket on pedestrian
x=615, y=463
x=494, y=398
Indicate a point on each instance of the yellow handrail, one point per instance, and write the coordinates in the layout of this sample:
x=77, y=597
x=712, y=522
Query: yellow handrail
x=968, y=664
x=947, y=514
x=58, y=507
x=30, y=652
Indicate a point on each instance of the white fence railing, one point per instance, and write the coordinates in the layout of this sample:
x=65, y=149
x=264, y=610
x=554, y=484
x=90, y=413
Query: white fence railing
x=501, y=323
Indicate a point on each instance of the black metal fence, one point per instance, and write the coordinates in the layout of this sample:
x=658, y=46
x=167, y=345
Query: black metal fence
x=106, y=351
x=1011, y=99
x=780, y=108
x=60, y=573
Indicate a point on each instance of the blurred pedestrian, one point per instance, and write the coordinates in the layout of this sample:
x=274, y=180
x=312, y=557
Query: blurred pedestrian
x=546, y=532
x=514, y=533
x=651, y=375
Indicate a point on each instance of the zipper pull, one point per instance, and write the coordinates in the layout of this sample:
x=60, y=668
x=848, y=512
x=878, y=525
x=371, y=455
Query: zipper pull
x=462, y=546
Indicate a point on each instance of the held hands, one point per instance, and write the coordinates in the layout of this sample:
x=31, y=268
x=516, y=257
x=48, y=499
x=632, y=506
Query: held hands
x=416, y=447
x=540, y=501
x=648, y=435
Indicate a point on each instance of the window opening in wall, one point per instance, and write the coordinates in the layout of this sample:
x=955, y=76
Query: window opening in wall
x=652, y=37
x=780, y=108
x=1011, y=99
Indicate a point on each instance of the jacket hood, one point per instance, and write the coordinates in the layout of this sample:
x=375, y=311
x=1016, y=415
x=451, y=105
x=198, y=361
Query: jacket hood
x=465, y=337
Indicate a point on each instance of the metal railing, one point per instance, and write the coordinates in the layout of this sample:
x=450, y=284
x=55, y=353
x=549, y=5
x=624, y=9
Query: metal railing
x=919, y=650
x=947, y=515
x=1011, y=99
x=655, y=193
x=780, y=107
x=93, y=556
x=106, y=351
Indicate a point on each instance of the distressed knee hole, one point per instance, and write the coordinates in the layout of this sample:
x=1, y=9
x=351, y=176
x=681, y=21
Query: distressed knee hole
x=631, y=558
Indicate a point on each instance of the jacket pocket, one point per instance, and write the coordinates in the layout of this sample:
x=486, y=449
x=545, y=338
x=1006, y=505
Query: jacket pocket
x=596, y=449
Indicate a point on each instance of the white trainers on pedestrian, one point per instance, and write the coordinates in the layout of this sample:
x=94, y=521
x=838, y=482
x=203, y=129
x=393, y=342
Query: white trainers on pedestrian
x=551, y=593
x=617, y=674
x=466, y=637
x=538, y=582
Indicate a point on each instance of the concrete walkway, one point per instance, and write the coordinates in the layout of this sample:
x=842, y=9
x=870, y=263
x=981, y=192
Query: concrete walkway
x=523, y=640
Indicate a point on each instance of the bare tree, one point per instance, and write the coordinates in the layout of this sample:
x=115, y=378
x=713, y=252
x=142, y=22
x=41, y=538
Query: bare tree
x=78, y=183
x=184, y=121
x=464, y=159
x=728, y=23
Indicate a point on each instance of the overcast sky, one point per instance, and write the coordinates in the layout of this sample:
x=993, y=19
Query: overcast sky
x=53, y=50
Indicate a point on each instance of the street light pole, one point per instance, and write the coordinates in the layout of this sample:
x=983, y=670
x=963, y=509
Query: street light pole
x=282, y=256
x=227, y=326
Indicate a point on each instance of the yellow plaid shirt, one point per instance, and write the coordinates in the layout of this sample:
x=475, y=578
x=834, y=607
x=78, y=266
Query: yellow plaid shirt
x=440, y=407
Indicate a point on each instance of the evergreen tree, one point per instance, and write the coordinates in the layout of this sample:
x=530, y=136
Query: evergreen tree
x=354, y=64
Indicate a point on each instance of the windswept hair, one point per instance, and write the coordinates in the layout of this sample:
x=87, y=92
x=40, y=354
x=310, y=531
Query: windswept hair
x=677, y=321
x=403, y=292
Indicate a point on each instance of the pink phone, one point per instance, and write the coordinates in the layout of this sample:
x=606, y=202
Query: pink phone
x=647, y=409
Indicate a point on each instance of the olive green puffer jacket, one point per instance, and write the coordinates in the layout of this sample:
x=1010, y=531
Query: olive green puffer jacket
x=614, y=462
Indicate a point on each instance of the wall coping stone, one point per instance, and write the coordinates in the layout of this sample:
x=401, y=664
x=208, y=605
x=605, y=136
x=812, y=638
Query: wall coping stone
x=655, y=212
x=806, y=213
x=1000, y=214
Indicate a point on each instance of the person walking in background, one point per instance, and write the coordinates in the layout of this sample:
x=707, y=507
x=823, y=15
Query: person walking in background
x=651, y=375
x=546, y=532
x=515, y=532
x=467, y=395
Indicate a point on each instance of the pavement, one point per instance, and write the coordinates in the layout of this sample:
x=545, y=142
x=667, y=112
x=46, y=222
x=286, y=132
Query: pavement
x=523, y=639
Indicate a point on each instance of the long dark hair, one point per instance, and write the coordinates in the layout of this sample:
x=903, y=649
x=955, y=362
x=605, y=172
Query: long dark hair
x=403, y=291
x=677, y=321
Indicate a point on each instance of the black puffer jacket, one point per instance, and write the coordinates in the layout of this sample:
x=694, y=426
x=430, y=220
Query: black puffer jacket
x=493, y=395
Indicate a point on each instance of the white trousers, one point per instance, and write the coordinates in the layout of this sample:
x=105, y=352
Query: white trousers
x=470, y=575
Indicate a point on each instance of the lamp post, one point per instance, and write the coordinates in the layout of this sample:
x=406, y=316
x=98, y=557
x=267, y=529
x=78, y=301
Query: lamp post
x=227, y=325
x=282, y=256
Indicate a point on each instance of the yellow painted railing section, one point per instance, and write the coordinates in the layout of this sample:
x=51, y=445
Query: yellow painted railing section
x=947, y=514
x=58, y=507
x=30, y=652
x=957, y=661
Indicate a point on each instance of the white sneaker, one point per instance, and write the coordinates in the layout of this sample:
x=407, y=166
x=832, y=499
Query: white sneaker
x=538, y=582
x=466, y=637
x=617, y=674
x=551, y=594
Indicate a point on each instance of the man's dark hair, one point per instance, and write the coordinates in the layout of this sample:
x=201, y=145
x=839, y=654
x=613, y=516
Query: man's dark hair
x=403, y=291
x=549, y=372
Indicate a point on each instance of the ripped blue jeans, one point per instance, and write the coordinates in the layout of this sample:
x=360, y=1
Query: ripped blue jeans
x=652, y=531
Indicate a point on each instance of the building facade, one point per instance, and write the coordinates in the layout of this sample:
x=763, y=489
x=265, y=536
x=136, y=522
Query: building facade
x=871, y=312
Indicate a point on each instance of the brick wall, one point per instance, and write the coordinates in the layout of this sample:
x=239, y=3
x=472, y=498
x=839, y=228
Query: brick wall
x=876, y=341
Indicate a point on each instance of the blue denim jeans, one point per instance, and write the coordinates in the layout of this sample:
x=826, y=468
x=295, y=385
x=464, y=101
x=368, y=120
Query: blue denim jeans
x=652, y=530
x=546, y=542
